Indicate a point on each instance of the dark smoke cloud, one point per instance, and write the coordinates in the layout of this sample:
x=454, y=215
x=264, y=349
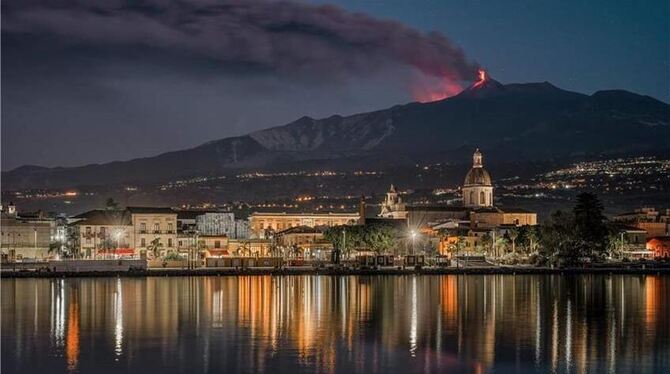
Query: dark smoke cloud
x=284, y=37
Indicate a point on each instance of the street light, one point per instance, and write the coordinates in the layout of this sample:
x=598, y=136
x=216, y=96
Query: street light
x=117, y=235
x=413, y=234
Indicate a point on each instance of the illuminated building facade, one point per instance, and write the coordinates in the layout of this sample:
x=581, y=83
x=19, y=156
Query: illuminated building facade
x=393, y=206
x=150, y=224
x=24, y=237
x=262, y=223
x=104, y=231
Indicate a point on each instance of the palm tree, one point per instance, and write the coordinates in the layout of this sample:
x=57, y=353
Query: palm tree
x=500, y=246
x=513, y=235
x=155, y=246
x=487, y=242
x=533, y=238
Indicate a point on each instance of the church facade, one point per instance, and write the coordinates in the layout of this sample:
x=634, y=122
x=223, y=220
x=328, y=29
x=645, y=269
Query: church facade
x=393, y=207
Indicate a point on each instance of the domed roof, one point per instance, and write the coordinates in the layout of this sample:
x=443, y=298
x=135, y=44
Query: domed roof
x=477, y=176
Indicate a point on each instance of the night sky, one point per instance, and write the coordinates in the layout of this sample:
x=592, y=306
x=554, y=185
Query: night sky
x=87, y=84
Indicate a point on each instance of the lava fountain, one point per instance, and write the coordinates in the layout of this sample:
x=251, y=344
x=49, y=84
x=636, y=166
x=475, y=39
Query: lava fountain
x=482, y=78
x=428, y=89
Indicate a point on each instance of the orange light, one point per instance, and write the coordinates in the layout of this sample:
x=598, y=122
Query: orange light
x=427, y=91
x=482, y=78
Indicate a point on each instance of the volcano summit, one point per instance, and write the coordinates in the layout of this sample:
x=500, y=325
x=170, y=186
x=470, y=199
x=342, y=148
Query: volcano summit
x=513, y=122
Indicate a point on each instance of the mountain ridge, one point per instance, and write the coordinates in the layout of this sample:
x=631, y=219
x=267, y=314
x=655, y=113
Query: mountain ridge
x=513, y=120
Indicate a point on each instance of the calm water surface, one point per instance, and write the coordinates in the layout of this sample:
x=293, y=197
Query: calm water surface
x=371, y=324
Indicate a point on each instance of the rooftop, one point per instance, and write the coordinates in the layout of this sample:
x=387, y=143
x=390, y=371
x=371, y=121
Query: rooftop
x=104, y=217
x=150, y=210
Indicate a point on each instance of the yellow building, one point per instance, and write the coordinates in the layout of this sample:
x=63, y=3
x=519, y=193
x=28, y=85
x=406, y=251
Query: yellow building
x=303, y=240
x=493, y=217
x=260, y=223
x=154, y=223
x=25, y=238
x=249, y=247
x=103, y=232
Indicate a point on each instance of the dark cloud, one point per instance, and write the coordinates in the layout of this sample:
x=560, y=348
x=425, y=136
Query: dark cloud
x=283, y=37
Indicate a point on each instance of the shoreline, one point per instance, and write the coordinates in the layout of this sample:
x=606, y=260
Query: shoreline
x=177, y=272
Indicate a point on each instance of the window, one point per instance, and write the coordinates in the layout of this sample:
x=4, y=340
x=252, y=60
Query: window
x=157, y=227
x=88, y=230
x=143, y=227
x=482, y=198
x=217, y=244
x=102, y=231
x=143, y=242
x=472, y=197
x=169, y=242
x=170, y=227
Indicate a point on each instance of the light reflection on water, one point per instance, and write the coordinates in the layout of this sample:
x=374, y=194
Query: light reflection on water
x=337, y=324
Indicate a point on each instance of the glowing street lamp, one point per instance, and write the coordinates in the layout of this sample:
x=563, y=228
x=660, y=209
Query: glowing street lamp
x=117, y=235
x=413, y=235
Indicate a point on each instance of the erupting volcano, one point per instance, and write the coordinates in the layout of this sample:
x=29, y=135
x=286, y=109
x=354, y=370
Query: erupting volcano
x=426, y=91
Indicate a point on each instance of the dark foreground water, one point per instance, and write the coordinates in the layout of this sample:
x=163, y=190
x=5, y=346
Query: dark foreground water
x=363, y=324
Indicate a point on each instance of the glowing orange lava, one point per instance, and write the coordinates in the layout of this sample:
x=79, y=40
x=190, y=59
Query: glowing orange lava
x=482, y=78
x=443, y=88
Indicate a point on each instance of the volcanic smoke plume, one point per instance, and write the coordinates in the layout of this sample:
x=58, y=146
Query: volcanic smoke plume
x=281, y=37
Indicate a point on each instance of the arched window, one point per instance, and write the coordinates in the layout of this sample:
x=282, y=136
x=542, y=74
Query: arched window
x=472, y=197
x=482, y=198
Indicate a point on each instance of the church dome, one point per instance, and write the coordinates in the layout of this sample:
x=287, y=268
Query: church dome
x=477, y=177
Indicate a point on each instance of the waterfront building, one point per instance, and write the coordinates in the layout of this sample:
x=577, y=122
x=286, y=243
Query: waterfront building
x=304, y=241
x=185, y=241
x=216, y=223
x=249, y=247
x=263, y=223
x=633, y=243
x=648, y=219
x=103, y=232
x=25, y=237
x=214, y=245
x=151, y=223
x=207, y=222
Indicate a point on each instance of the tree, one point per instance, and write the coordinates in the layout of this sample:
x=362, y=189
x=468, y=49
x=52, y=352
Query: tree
x=616, y=243
x=56, y=247
x=110, y=204
x=590, y=224
x=557, y=237
x=533, y=235
x=500, y=246
x=487, y=242
x=155, y=246
x=379, y=238
x=513, y=234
